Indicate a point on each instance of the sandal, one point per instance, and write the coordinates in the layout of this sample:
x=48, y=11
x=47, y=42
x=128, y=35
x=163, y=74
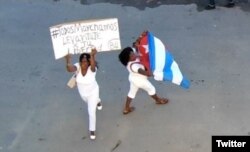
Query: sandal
x=131, y=109
x=92, y=135
x=162, y=101
x=99, y=106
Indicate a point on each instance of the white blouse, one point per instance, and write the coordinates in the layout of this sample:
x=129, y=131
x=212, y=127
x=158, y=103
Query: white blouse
x=86, y=83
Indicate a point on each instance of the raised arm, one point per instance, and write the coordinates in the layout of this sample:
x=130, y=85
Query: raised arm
x=69, y=66
x=92, y=60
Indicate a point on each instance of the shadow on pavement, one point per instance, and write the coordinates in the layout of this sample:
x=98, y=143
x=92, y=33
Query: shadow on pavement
x=142, y=4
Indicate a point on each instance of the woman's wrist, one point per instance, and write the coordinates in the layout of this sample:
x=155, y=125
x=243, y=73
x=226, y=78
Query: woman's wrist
x=92, y=56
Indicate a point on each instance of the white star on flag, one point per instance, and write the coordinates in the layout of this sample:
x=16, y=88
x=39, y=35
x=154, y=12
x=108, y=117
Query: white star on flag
x=146, y=48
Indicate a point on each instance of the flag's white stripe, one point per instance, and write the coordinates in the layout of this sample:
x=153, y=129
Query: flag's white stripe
x=160, y=53
x=177, y=75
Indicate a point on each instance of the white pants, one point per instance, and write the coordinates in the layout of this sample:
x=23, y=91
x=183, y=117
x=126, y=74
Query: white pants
x=144, y=84
x=92, y=99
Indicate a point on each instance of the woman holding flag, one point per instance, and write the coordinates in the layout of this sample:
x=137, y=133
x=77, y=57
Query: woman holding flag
x=138, y=78
x=153, y=60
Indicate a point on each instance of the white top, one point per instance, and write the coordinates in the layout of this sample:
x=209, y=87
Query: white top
x=87, y=83
x=133, y=67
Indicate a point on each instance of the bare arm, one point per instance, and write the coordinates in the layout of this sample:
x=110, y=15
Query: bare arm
x=92, y=60
x=69, y=66
x=144, y=72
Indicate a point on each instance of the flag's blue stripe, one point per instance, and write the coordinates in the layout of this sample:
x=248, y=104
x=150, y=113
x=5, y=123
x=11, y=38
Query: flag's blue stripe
x=167, y=72
x=168, y=75
x=151, y=47
x=185, y=83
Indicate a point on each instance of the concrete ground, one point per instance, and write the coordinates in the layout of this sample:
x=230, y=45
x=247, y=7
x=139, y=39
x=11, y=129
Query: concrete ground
x=38, y=113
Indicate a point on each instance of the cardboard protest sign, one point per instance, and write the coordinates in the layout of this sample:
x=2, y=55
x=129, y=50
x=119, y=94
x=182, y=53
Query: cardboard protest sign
x=80, y=36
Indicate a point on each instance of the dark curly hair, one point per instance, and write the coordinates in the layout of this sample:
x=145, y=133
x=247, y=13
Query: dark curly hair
x=124, y=55
x=84, y=55
x=87, y=56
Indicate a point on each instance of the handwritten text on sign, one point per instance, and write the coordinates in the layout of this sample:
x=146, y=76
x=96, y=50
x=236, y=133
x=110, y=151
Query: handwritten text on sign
x=81, y=36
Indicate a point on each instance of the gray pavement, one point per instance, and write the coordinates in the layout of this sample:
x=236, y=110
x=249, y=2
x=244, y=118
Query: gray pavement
x=38, y=113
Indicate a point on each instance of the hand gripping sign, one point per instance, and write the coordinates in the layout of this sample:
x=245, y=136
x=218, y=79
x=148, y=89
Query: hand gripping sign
x=80, y=36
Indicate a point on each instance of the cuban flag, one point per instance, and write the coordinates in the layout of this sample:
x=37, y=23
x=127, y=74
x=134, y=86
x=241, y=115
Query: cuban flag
x=154, y=56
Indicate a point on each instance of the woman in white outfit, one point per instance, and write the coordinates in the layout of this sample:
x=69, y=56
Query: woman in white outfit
x=87, y=85
x=138, y=78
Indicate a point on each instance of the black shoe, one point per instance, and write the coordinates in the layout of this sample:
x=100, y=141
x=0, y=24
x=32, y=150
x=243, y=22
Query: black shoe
x=230, y=5
x=210, y=7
